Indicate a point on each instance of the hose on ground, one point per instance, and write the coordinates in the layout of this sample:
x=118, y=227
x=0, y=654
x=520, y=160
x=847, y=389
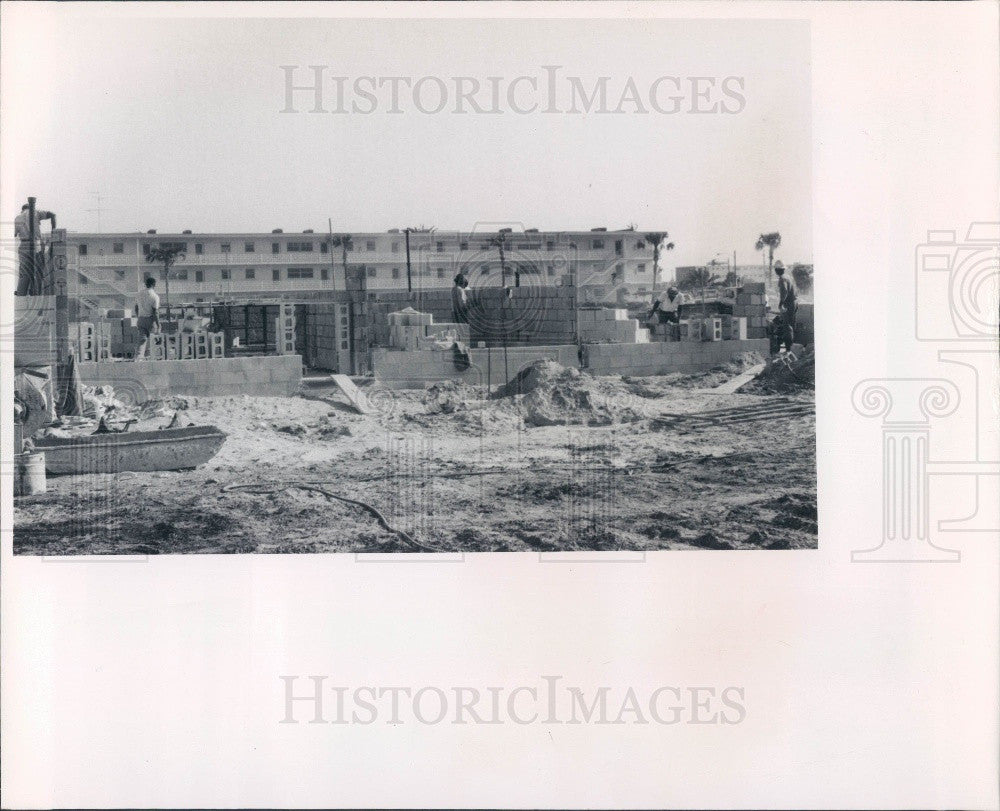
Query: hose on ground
x=383, y=522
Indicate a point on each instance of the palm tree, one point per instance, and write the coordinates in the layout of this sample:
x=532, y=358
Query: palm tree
x=702, y=277
x=657, y=239
x=769, y=241
x=342, y=241
x=165, y=255
x=500, y=243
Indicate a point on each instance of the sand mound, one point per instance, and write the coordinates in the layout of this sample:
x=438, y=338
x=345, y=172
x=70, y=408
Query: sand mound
x=555, y=395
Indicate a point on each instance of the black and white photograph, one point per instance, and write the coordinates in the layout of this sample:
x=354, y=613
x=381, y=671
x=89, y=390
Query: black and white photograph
x=541, y=302
x=545, y=404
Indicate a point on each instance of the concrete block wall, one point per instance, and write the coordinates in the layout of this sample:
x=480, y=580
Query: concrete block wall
x=660, y=357
x=417, y=368
x=533, y=315
x=266, y=375
x=324, y=338
x=34, y=331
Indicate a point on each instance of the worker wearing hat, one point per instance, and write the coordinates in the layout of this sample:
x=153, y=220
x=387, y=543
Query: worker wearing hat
x=787, y=305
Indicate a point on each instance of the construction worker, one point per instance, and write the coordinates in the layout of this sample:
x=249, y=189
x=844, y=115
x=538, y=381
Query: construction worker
x=30, y=262
x=667, y=311
x=147, y=309
x=459, y=300
x=787, y=304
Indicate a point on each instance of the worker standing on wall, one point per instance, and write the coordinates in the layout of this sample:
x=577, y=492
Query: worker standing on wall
x=787, y=300
x=30, y=262
x=782, y=329
x=147, y=309
x=460, y=300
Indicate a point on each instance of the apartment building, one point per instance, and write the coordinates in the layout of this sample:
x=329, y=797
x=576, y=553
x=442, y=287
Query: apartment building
x=256, y=266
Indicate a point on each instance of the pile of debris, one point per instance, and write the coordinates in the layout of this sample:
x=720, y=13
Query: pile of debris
x=554, y=395
x=786, y=373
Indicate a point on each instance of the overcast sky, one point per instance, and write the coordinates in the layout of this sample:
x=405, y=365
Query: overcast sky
x=178, y=124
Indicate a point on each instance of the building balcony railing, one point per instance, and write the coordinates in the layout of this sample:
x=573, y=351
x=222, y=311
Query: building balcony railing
x=419, y=256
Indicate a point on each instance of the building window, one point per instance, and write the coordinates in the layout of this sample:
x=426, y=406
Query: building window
x=395, y=273
x=463, y=246
x=619, y=247
x=118, y=247
x=199, y=248
x=440, y=247
x=484, y=269
x=83, y=250
x=370, y=245
x=199, y=275
x=299, y=247
x=440, y=273
x=640, y=245
x=251, y=273
x=343, y=344
x=371, y=273
x=276, y=274
x=324, y=274
x=226, y=247
x=145, y=248
x=247, y=247
x=550, y=270
x=395, y=247
x=182, y=275
x=324, y=247
x=597, y=244
x=300, y=273
x=550, y=245
x=275, y=247
x=83, y=279
x=226, y=275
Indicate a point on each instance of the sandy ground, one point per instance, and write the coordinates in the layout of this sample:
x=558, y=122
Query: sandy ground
x=454, y=473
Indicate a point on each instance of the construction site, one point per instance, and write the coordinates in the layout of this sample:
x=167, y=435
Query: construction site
x=534, y=415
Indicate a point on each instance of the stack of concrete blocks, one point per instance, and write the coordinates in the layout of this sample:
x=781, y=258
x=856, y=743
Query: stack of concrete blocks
x=711, y=328
x=610, y=325
x=86, y=347
x=751, y=304
x=328, y=340
x=216, y=344
x=667, y=357
x=689, y=329
x=734, y=328
x=284, y=330
x=407, y=327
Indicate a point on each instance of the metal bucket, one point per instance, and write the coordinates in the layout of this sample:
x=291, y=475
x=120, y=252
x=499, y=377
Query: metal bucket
x=29, y=474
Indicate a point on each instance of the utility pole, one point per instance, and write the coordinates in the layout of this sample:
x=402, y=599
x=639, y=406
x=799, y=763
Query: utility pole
x=333, y=267
x=99, y=208
x=409, y=278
